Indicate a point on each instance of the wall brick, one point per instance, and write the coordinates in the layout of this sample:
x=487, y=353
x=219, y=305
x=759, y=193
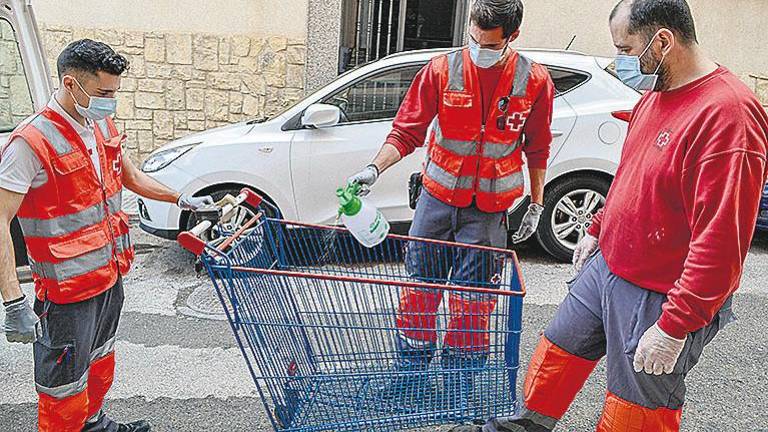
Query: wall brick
x=152, y=85
x=179, y=48
x=174, y=95
x=216, y=105
x=154, y=50
x=206, y=55
x=150, y=100
x=162, y=125
x=240, y=45
x=126, y=107
x=195, y=99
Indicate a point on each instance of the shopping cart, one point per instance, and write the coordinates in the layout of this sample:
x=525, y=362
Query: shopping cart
x=322, y=323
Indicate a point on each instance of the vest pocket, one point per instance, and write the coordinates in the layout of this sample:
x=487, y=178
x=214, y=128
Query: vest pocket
x=69, y=163
x=91, y=239
x=457, y=100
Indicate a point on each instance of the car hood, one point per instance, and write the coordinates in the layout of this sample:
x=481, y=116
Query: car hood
x=222, y=133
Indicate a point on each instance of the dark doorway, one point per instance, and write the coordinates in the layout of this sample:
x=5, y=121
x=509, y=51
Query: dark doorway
x=372, y=29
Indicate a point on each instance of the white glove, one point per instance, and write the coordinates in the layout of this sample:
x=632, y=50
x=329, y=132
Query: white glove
x=529, y=224
x=657, y=352
x=187, y=202
x=366, y=177
x=21, y=322
x=584, y=248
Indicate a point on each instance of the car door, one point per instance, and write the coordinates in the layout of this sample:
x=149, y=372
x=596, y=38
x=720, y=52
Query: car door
x=322, y=159
x=24, y=81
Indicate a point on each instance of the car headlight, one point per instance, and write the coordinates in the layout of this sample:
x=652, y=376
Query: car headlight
x=157, y=161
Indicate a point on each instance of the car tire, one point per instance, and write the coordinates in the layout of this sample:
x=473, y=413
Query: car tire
x=571, y=192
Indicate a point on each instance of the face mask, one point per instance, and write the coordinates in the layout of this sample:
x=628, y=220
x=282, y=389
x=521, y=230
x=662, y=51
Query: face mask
x=484, y=57
x=629, y=71
x=98, y=108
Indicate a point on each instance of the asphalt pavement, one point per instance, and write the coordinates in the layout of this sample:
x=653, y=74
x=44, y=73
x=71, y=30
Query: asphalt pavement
x=179, y=367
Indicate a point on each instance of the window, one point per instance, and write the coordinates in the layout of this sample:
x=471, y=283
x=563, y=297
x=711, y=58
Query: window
x=566, y=80
x=15, y=98
x=376, y=97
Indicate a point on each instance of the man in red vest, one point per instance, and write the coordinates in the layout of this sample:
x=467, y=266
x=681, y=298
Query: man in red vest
x=487, y=106
x=62, y=173
x=663, y=259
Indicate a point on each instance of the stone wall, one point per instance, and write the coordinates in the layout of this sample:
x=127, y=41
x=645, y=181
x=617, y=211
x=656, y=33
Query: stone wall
x=15, y=100
x=181, y=83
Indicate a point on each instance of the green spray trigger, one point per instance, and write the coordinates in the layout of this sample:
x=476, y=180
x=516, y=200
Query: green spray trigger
x=350, y=203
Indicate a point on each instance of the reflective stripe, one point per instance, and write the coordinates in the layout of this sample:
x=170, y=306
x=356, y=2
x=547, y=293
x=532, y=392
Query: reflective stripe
x=522, y=73
x=75, y=267
x=104, y=128
x=502, y=184
x=448, y=180
x=115, y=202
x=102, y=351
x=499, y=151
x=461, y=148
x=456, y=71
x=96, y=417
x=62, y=225
x=52, y=134
x=123, y=243
x=66, y=390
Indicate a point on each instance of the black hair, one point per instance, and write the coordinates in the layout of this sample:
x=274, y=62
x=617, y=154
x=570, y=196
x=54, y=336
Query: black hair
x=648, y=16
x=491, y=14
x=86, y=55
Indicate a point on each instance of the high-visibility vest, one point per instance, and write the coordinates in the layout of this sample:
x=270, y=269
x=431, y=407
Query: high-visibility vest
x=474, y=158
x=76, y=233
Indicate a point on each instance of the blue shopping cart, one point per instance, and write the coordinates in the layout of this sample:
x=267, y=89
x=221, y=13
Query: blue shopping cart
x=338, y=337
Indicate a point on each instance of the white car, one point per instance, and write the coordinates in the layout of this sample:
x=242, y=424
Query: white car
x=298, y=158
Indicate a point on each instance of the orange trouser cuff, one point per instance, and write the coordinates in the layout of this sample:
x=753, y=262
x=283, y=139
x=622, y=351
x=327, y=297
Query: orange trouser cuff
x=554, y=378
x=62, y=415
x=100, y=376
x=623, y=416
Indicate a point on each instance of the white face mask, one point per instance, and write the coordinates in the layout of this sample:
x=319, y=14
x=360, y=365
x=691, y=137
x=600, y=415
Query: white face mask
x=484, y=57
x=98, y=107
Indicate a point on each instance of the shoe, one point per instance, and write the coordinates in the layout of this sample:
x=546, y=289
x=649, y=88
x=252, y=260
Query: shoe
x=514, y=424
x=467, y=428
x=137, y=426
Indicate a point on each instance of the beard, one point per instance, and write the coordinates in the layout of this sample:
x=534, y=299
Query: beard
x=650, y=65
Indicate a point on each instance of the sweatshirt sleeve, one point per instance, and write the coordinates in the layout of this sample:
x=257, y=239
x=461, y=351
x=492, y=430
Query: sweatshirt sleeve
x=721, y=197
x=419, y=108
x=537, y=129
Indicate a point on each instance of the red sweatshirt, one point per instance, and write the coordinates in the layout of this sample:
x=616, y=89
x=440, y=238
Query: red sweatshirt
x=681, y=212
x=420, y=107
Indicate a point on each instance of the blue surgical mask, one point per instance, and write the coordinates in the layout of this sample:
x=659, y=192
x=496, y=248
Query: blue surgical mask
x=98, y=108
x=630, y=72
x=484, y=57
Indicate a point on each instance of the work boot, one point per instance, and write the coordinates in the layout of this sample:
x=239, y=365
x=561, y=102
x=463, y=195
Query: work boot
x=137, y=426
x=459, y=370
x=292, y=391
x=510, y=424
x=408, y=381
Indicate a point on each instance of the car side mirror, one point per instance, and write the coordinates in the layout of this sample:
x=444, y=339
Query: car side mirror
x=321, y=116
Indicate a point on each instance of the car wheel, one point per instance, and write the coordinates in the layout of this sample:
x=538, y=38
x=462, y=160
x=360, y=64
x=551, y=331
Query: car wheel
x=243, y=214
x=569, y=207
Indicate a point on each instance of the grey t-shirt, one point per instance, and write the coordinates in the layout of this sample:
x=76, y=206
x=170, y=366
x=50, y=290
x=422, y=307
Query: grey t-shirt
x=21, y=170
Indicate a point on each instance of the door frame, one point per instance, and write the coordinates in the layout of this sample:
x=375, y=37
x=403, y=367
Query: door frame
x=459, y=21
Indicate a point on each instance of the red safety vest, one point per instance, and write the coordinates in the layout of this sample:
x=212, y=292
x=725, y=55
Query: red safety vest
x=471, y=157
x=76, y=232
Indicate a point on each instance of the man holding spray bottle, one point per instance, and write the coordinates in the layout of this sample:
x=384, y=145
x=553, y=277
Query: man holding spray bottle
x=487, y=105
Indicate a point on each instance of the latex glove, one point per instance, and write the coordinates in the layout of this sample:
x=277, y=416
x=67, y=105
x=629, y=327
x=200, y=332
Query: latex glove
x=21, y=322
x=365, y=178
x=657, y=352
x=529, y=224
x=584, y=248
x=187, y=202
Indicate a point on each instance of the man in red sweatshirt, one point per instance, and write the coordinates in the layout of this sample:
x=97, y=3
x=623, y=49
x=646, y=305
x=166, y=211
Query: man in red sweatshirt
x=662, y=261
x=488, y=106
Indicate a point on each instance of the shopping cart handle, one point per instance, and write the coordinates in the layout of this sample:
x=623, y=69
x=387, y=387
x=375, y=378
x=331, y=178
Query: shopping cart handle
x=191, y=241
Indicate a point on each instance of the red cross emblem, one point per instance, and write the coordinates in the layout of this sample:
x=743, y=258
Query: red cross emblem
x=516, y=121
x=663, y=139
x=117, y=167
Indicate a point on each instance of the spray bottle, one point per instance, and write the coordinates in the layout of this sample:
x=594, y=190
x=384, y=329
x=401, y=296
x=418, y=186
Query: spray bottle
x=363, y=220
